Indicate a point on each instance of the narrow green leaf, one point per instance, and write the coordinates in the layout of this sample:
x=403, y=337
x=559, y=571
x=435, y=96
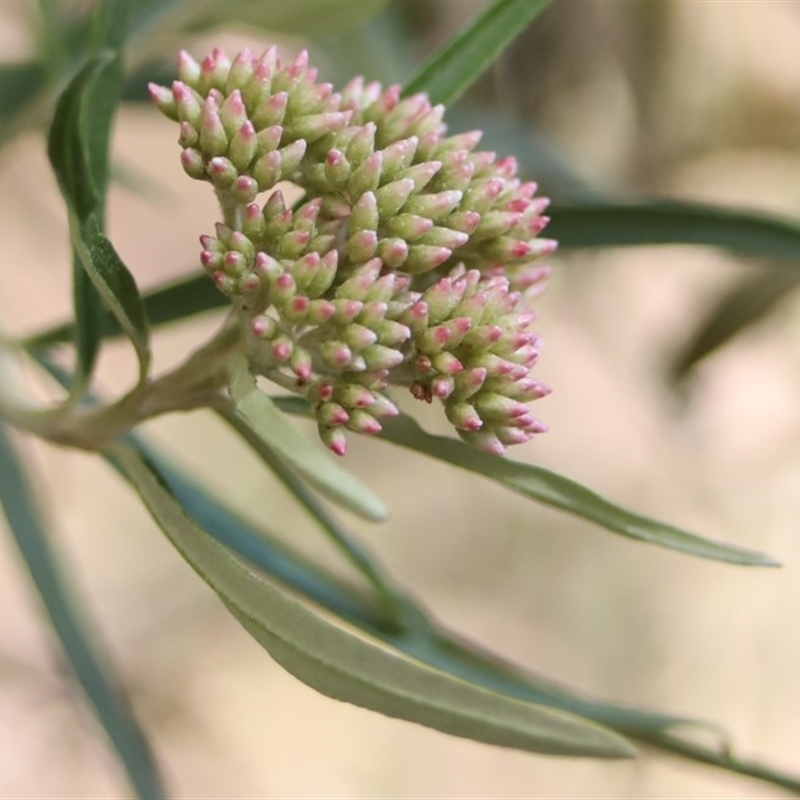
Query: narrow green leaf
x=468, y=54
x=430, y=643
x=553, y=490
x=69, y=156
x=559, y=492
x=348, y=668
x=66, y=145
x=743, y=305
x=746, y=233
x=90, y=667
x=260, y=414
x=87, y=330
x=115, y=285
x=442, y=649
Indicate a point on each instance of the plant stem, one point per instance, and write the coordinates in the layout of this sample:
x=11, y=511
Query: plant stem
x=195, y=383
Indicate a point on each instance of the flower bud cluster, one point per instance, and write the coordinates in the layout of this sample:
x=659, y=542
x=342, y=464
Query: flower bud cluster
x=408, y=261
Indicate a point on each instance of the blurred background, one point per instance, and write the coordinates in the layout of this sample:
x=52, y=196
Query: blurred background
x=693, y=100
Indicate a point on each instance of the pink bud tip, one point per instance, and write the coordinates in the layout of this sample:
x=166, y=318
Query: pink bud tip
x=299, y=304
x=544, y=247
x=158, y=94
x=251, y=283
x=232, y=259
x=507, y=167
x=537, y=426
x=540, y=204
x=334, y=158
x=520, y=249
x=338, y=446
x=181, y=92
x=280, y=351
x=370, y=426
x=339, y=416
x=462, y=325
x=391, y=96
x=303, y=372
x=520, y=204
x=441, y=335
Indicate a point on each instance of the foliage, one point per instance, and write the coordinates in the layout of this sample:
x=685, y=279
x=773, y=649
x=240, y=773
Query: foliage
x=404, y=663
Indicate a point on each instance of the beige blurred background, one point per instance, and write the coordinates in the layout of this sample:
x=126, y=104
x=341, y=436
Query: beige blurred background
x=694, y=99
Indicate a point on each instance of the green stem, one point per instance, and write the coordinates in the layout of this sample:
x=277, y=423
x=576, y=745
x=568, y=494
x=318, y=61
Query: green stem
x=195, y=383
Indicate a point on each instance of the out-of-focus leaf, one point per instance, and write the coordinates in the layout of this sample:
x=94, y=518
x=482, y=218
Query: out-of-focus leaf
x=260, y=415
x=348, y=668
x=78, y=148
x=19, y=83
x=67, y=146
x=747, y=302
x=554, y=490
x=89, y=666
x=644, y=223
x=116, y=286
x=303, y=18
x=109, y=32
x=68, y=151
x=52, y=42
x=168, y=303
x=467, y=55
x=538, y=159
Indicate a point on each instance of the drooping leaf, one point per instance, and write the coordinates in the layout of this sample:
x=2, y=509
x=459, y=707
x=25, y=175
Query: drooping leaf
x=553, y=490
x=69, y=157
x=78, y=144
x=744, y=304
x=89, y=665
x=347, y=668
x=432, y=644
x=468, y=54
x=427, y=641
x=261, y=416
x=603, y=224
x=115, y=284
x=67, y=146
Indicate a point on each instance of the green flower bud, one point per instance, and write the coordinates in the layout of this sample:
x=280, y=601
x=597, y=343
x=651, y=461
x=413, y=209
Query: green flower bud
x=408, y=258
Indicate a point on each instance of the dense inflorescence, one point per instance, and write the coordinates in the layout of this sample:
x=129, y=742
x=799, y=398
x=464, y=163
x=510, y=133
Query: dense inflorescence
x=407, y=261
